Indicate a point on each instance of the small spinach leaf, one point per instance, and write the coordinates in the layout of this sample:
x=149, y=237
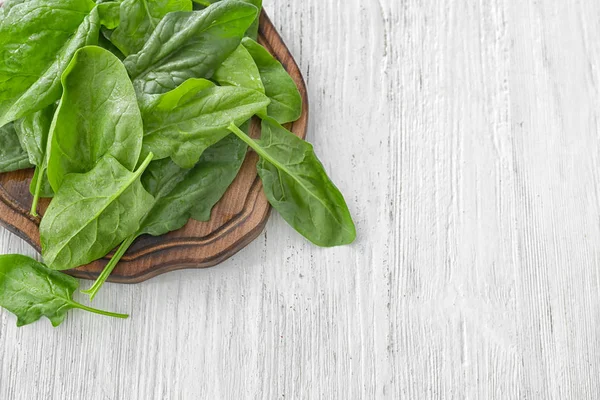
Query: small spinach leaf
x=97, y=115
x=33, y=133
x=40, y=37
x=239, y=69
x=139, y=18
x=30, y=291
x=188, y=45
x=189, y=122
x=109, y=13
x=12, y=155
x=92, y=213
x=298, y=187
x=286, y=102
x=253, y=30
x=182, y=193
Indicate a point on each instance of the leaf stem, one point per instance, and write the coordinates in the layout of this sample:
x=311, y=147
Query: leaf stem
x=247, y=139
x=96, y=311
x=93, y=291
x=36, y=194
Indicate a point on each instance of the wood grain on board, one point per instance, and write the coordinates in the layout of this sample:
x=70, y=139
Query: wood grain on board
x=236, y=220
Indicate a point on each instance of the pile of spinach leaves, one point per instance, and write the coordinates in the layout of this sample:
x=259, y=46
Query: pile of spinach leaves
x=135, y=115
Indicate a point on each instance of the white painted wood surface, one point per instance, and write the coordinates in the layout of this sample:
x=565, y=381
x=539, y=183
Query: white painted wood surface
x=465, y=136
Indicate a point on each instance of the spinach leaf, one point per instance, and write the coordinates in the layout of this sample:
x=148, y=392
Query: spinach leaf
x=97, y=115
x=33, y=133
x=12, y=155
x=109, y=13
x=286, y=102
x=186, y=122
x=188, y=45
x=239, y=69
x=40, y=37
x=298, y=187
x=253, y=30
x=30, y=291
x=139, y=18
x=182, y=193
x=92, y=213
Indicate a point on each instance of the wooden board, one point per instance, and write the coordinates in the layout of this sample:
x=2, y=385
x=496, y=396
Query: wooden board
x=236, y=220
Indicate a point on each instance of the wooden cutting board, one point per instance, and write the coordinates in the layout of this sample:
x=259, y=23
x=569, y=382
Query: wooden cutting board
x=236, y=220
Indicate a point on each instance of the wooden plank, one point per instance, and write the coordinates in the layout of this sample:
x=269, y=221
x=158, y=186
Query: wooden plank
x=465, y=136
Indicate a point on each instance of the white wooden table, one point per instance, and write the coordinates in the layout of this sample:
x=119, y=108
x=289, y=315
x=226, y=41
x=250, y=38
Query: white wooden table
x=465, y=135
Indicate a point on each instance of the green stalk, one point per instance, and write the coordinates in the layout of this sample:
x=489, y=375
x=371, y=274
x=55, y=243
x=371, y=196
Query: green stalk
x=36, y=194
x=96, y=311
x=93, y=291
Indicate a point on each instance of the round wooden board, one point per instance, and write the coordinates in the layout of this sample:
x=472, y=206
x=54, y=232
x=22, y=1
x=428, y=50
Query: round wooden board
x=236, y=220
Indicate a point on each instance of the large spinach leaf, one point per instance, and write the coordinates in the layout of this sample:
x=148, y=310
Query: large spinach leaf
x=195, y=116
x=139, y=18
x=298, y=187
x=188, y=45
x=97, y=115
x=182, y=193
x=12, y=155
x=30, y=291
x=37, y=40
x=92, y=213
x=286, y=102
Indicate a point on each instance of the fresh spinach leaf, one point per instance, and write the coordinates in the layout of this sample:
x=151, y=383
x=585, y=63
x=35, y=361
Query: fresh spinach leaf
x=109, y=13
x=30, y=291
x=186, y=122
x=97, y=115
x=139, y=18
x=12, y=155
x=33, y=133
x=298, y=187
x=92, y=213
x=182, y=193
x=37, y=40
x=253, y=30
x=286, y=102
x=239, y=69
x=188, y=45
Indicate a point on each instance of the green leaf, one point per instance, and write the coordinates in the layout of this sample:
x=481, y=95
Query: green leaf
x=30, y=291
x=199, y=190
x=97, y=115
x=109, y=13
x=185, y=125
x=188, y=45
x=92, y=213
x=139, y=18
x=32, y=131
x=253, y=30
x=37, y=40
x=182, y=193
x=298, y=187
x=239, y=69
x=286, y=102
x=12, y=155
